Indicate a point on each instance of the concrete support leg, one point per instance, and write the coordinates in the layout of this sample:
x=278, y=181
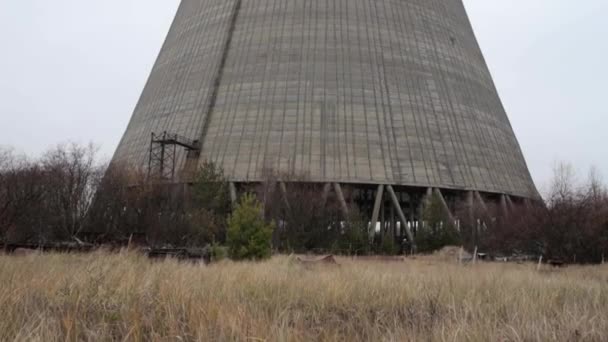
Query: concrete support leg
x=481, y=201
x=397, y=205
x=376, y=212
x=382, y=220
x=233, y=195
x=283, y=188
x=428, y=196
x=326, y=190
x=412, y=216
x=510, y=203
x=471, y=215
x=425, y=200
x=411, y=207
x=269, y=188
x=503, y=205
x=445, y=206
x=340, y=194
x=471, y=207
x=391, y=224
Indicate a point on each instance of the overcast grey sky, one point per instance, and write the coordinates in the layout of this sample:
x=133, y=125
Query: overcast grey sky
x=74, y=69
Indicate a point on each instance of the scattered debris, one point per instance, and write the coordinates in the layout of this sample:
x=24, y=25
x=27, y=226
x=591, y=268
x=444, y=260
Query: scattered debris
x=452, y=253
x=323, y=260
x=63, y=247
x=191, y=254
x=501, y=258
x=483, y=256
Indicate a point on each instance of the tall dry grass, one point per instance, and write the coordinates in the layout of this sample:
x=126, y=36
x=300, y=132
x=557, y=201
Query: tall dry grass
x=126, y=297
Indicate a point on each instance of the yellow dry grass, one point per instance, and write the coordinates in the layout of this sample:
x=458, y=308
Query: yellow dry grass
x=127, y=297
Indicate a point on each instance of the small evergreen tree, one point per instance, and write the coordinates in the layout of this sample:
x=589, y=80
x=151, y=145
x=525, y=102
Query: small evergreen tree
x=211, y=204
x=388, y=245
x=210, y=189
x=353, y=238
x=249, y=236
x=438, y=231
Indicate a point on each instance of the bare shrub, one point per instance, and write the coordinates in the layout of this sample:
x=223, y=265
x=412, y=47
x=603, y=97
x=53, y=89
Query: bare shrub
x=576, y=219
x=162, y=214
x=72, y=174
x=117, y=208
x=305, y=220
x=22, y=188
x=570, y=225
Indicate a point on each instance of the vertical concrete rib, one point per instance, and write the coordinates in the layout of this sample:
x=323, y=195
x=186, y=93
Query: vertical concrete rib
x=220, y=70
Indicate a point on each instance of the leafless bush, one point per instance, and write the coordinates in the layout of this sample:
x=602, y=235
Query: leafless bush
x=159, y=214
x=49, y=198
x=308, y=217
x=71, y=178
x=119, y=206
x=571, y=224
x=67, y=194
x=21, y=190
x=576, y=222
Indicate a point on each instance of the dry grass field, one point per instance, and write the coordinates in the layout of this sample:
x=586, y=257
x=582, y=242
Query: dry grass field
x=127, y=297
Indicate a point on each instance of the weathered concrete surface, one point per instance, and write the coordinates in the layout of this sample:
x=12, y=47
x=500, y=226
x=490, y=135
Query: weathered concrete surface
x=351, y=91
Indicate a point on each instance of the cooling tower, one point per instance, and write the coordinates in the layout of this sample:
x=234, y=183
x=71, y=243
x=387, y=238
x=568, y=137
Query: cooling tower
x=366, y=92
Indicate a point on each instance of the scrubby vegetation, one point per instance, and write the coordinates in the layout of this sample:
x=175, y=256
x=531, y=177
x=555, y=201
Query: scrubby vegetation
x=249, y=235
x=571, y=224
x=109, y=297
x=437, y=231
x=68, y=195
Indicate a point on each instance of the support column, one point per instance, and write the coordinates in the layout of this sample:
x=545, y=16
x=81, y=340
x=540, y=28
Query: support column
x=376, y=212
x=411, y=214
x=411, y=207
x=233, y=195
x=269, y=187
x=510, y=204
x=392, y=223
x=383, y=219
x=503, y=205
x=471, y=207
x=424, y=203
x=428, y=197
x=471, y=215
x=410, y=236
x=481, y=201
x=338, y=190
x=445, y=206
x=284, y=194
x=326, y=190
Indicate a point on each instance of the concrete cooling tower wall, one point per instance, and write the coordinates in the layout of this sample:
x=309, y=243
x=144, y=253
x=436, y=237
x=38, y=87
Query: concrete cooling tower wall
x=344, y=91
